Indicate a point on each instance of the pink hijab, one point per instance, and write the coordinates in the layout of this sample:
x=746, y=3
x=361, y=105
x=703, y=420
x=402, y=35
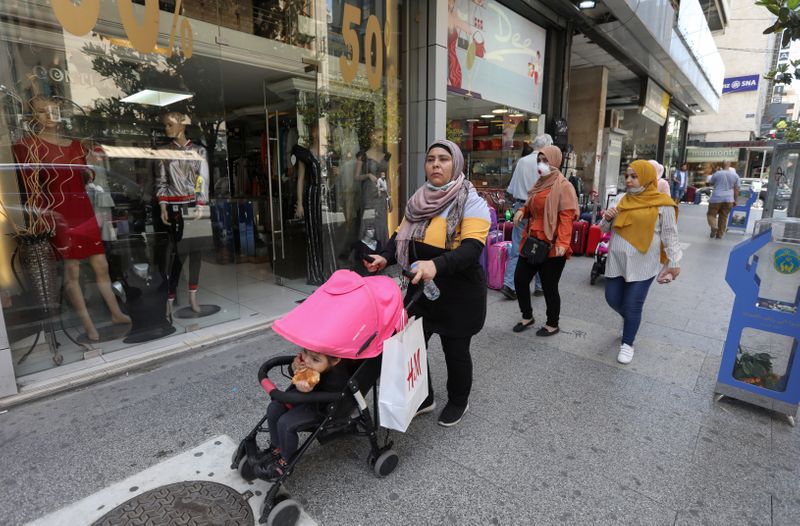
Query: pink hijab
x=662, y=184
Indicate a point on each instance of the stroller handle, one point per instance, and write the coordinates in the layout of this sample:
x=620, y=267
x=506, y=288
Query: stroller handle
x=292, y=397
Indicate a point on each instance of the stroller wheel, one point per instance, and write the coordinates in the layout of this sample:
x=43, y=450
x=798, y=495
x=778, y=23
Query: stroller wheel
x=592, y=279
x=385, y=463
x=246, y=470
x=285, y=513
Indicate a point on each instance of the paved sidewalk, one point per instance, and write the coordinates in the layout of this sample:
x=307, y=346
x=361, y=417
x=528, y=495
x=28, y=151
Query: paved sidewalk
x=557, y=431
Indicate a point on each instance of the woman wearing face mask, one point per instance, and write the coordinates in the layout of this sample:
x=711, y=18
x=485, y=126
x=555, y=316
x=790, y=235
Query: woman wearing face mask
x=551, y=208
x=645, y=237
x=441, y=238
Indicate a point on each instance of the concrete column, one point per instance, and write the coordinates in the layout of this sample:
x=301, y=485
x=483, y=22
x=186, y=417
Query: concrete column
x=585, y=118
x=427, y=84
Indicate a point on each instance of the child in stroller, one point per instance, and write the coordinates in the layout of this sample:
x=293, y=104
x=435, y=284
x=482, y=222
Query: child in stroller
x=600, y=256
x=347, y=318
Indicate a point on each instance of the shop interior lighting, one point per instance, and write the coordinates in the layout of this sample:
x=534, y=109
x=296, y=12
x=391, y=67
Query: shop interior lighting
x=473, y=120
x=157, y=97
x=488, y=116
x=587, y=4
x=500, y=111
x=517, y=115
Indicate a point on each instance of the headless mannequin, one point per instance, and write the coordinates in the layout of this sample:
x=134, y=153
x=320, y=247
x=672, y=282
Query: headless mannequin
x=172, y=198
x=309, y=205
x=46, y=122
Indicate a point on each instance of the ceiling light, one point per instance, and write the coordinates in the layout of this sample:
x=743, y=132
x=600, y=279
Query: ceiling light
x=488, y=116
x=500, y=110
x=587, y=4
x=517, y=115
x=157, y=97
x=473, y=120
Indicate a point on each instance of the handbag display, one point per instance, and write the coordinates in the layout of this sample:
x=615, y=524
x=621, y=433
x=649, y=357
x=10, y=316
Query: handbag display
x=534, y=250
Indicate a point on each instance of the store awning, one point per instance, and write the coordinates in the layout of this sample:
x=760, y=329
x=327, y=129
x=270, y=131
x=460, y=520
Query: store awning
x=711, y=155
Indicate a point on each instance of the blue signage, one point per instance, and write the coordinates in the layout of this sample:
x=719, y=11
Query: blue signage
x=737, y=84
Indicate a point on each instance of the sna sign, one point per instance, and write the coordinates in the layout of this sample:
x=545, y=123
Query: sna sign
x=80, y=18
x=737, y=84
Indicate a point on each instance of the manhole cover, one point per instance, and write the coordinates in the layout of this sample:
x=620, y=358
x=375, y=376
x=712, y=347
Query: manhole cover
x=194, y=503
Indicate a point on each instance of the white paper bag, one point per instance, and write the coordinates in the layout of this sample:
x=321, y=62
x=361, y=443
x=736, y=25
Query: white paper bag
x=404, y=377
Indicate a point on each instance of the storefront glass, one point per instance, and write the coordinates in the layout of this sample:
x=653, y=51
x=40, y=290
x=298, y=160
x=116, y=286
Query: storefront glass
x=676, y=126
x=495, y=65
x=641, y=142
x=162, y=163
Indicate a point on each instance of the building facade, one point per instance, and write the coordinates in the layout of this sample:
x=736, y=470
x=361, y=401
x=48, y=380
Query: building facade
x=748, y=103
x=171, y=167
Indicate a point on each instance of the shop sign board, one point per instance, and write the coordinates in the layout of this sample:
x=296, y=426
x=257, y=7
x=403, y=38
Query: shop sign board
x=655, y=103
x=495, y=54
x=738, y=84
x=711, y=155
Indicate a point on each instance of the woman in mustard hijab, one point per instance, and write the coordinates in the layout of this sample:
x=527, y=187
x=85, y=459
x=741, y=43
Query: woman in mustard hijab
x=644, y=246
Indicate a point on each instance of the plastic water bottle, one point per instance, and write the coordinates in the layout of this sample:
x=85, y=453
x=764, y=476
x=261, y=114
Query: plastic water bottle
x=508, y=215
x=429, y=288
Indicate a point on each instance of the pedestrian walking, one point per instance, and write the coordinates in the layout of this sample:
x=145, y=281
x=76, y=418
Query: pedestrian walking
x=441, y=239
x=645, y=237
x=550, y=210
x=525, y=176
x=662, y=185
x=725, y=190
x=680, y=181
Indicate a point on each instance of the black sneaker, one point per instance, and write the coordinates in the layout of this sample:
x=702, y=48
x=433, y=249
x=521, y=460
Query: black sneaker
x=452, y=414
x=271, y=470
x=427, y=406
x=508, y=292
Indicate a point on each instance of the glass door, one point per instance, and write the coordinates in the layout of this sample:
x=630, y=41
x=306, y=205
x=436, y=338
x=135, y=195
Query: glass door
x=300, y=229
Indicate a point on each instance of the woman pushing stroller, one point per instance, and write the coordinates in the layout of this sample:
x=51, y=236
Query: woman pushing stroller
x=441, y=239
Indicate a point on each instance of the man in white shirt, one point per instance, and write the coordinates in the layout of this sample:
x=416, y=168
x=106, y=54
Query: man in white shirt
x=679, y=183
x=525, y=176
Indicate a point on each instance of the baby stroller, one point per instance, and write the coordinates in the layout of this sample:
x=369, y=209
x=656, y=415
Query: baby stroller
x=600, y=256
x=348, y=317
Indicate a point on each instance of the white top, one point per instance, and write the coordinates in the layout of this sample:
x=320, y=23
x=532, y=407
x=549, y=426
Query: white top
x=624, y=260
x=525, y=176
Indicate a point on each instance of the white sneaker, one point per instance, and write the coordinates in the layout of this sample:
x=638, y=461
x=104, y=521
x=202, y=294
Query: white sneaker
x=625, y=354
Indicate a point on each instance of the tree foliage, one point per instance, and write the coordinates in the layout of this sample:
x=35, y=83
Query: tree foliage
x=788, y=25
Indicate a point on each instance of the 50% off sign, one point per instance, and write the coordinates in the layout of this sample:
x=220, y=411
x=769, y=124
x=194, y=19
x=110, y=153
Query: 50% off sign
x=80, y=18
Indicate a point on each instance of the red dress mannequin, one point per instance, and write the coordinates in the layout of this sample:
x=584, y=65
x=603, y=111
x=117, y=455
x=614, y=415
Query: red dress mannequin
x=77, y=234
x=54, y=183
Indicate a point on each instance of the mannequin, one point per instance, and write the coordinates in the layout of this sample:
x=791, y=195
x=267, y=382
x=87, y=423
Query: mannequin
x=374, y=187
x=183, y=181
x=77, y=235
x=309, y=204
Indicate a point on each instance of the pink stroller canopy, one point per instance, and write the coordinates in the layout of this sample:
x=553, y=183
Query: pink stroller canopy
x=347, y=314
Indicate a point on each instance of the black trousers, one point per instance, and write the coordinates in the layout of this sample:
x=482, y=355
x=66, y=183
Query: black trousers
x=459, y=368
x=285, y=423
x=180, y=250
x=550, y=272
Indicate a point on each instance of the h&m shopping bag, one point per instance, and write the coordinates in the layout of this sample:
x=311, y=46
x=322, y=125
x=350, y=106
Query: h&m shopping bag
x=404, y=377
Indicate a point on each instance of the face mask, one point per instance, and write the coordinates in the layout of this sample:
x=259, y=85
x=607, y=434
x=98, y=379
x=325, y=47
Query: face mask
x=544, y=169
x=636, y=191
x=445, y=187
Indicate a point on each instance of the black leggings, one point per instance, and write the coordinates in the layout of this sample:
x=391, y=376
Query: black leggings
x=550, y=272
x=459, y=368
x=284, y=424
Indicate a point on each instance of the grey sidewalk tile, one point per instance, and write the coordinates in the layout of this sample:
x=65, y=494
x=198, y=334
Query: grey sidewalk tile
x=754, y=509
x=784, y=436
x=786, y=507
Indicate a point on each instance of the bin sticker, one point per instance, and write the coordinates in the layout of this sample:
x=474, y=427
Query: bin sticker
x=786, y=261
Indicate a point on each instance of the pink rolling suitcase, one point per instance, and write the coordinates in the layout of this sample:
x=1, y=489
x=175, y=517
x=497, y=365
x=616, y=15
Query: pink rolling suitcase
x=497, y=256
x=494, y=236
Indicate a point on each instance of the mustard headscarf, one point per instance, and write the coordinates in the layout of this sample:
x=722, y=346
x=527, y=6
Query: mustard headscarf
x=636, y=221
